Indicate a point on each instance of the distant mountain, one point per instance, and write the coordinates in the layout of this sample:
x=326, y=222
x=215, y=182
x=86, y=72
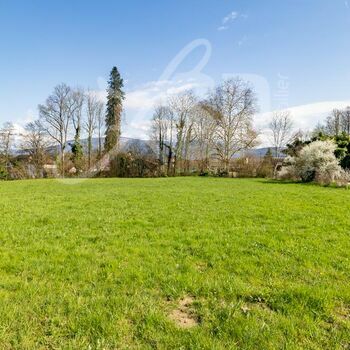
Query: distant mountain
x=126, y=144
x=145, y=147
x=260, y=152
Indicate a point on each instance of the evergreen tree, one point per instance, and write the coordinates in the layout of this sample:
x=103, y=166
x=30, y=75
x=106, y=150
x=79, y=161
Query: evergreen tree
x=77, y=153
x=115, y=97
x=77, y=102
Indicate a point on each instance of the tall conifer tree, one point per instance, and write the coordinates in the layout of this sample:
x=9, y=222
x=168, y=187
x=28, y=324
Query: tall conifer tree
x=115, y=97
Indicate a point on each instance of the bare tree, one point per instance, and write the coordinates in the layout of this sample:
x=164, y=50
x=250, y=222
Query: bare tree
x=204, y=127
x=94, y=111
x=7, y=133
x=170, y=139
x=281, y=127
x=77, y=98
x=182, y=107
x=159, y=133
x=100, y=123
x=56, y=115
x=334, y=123
x=337, y=122
x=189, y=138
x=232, y=106
x=345, y=120
x=318, y=130
x=35, y=144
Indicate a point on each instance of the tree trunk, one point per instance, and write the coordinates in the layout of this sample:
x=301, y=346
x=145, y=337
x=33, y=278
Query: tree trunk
x=62, y=162
x=89, y=150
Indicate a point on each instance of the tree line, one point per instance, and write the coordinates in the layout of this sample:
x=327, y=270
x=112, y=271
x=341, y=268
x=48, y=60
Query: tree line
x=187, y=135
x=204, y=135
x=56, y=136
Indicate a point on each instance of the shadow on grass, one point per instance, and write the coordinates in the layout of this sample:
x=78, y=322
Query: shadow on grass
x=281, y=182
x=301, y=183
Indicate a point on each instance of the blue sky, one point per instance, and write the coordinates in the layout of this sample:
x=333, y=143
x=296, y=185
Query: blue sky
x=296, y=52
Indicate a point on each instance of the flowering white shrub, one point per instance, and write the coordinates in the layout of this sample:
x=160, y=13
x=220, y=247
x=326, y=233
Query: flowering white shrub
x=315, y=162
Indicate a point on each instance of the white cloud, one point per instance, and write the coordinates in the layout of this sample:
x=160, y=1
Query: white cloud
x=146, y=96
x=230, y=17
x=140, y=102
x=227, y=19
x=225, y=22
x=222, y=28
x=304, y=117
x=346, y=3
x=137, y=129
x=19, y=124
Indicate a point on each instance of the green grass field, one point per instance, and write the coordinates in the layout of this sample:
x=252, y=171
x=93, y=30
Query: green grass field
x=120, y=263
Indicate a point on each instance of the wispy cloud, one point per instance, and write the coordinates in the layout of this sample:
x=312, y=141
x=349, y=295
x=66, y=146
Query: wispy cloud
x=346, y=3
x=227, y=20
x=230, y=17
x=146, y=96
x=222, y=28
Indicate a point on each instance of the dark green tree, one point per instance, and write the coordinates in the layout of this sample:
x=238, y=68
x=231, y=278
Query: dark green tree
x=293, y=149
x=115, y=97
x=77, y=102
x=342, y=151
x=77, y=153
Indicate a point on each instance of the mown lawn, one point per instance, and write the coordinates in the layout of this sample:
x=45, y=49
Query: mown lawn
x=108, y=263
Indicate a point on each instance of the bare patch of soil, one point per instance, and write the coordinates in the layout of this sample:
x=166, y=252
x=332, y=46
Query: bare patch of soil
x=183, y=315
x=343, y=312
